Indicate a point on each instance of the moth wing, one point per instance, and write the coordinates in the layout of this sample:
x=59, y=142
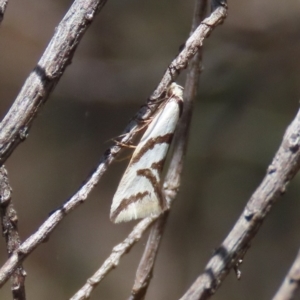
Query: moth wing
x=139, y=192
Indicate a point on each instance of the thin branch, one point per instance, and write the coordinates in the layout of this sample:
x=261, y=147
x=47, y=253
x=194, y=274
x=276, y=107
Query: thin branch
x=283, y=168
x=216, y=3
x=9, y=218
x=3, y=4
x=290, y=285
x=199, y=14
x=15, y=126
x=192, y=46
x=173, y=177
x=9, y=221
x=113, y=260
x=145, y=268
x=42, y=234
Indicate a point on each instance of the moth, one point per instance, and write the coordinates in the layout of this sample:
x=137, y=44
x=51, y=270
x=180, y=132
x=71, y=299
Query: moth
x=139, y=193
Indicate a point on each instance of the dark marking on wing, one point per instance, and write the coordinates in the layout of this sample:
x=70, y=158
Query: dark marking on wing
x=125, y=202
x=158, y=165
x=139, y=196
x=155, y=184
x=167, y=138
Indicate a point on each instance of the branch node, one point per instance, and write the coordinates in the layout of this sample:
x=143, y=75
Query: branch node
x=237, y=270
x=23, y=133
x=248, y=214
x=271, y=169
x=92, y=282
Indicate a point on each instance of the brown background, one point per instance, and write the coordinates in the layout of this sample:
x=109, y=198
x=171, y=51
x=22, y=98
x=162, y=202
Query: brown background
x=249, y=93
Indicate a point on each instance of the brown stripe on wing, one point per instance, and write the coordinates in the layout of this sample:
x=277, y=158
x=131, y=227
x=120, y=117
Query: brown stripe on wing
x=125, y=202
x=155, y=184
x=139, y=196
x=167, y=138
x=158, y=165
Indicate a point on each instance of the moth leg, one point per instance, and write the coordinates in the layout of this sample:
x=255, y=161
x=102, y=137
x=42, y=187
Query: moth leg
x=123, y=144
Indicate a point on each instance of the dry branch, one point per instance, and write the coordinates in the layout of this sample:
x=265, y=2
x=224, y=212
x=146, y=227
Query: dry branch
x=172, y=182
x=9, y=222
x=15, y=126
x=290, y=285
x=283, y=168
x=145, y=268
x=113, y=260
x=191, y=47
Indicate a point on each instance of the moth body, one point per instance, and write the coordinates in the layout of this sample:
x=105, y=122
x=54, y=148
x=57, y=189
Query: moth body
x=139, y=193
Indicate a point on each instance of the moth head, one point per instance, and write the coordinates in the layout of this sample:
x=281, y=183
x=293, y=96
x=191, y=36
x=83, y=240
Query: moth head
x=175, y=90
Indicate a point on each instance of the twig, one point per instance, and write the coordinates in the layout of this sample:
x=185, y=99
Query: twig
x=285, y=165
x=199, y=15
x=3, y=4
x=113, y=260
x=290, y=285
x=145, y=268
x=9, y=221
x=193, y=43
x=15, y=126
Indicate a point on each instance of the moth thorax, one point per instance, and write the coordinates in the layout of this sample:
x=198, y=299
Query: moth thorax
x=175, y=90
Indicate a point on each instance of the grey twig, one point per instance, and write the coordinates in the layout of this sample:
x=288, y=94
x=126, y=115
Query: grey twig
x=191, y=47
x=42, y=80
x=290, y=285
x=144, y=271
x=3, y=4
x=113, y=260
x=9, y=222
x=172, y=182
x=283, y=168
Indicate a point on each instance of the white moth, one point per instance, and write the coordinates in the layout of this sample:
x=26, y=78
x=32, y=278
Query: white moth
x=139, y=193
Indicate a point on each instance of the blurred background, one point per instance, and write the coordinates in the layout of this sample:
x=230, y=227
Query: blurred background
x=248, y=94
